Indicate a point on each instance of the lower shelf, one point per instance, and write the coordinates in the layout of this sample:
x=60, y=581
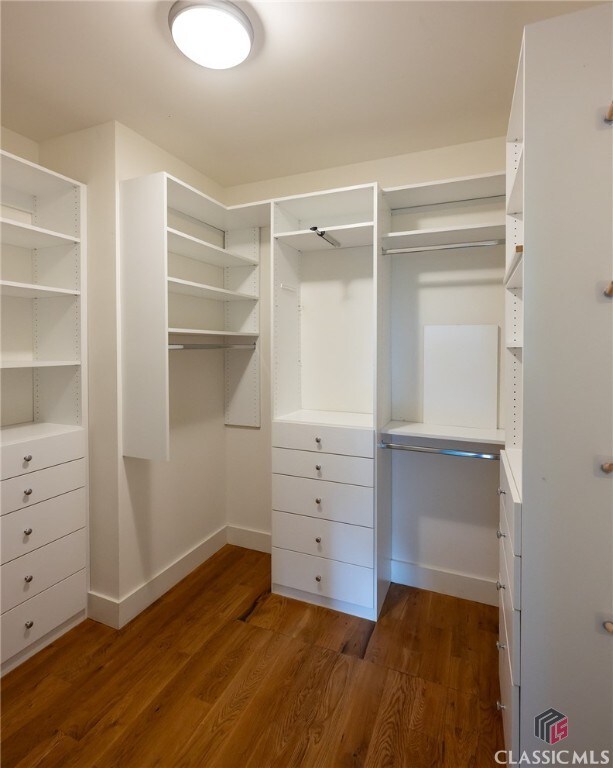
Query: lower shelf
x=396, y=429
x=332, y=418
x=17, y=433
x=202, y=332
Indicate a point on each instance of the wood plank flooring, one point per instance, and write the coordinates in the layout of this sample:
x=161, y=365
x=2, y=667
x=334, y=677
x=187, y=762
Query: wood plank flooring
x=219, y=673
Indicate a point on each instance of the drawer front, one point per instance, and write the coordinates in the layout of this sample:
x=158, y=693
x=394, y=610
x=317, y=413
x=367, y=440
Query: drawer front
x=31, y=620
x=28, y=575
x=48, y=521
x=348, y=441
x=44, y=452
x=318, y=498
x=510, y=503
x=512, y=622
x=327, y=578
x=325, y=466
x=511, y=565
x=20, y=492
x=509, y=699
x=334, y=541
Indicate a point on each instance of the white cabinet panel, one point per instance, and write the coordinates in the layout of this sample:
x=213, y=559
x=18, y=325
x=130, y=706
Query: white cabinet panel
x=509, y=695
x=318, y=498
x=510, y=564
x=20, y=492
x=335, y=541
x=44, y=452
x=328, y=578
x=31, y=620
x=510, y=502
x=349, y=441
x=47, y=521
x=325, y=466
x=26, y=576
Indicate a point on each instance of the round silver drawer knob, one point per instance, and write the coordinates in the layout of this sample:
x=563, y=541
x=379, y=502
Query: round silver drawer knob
x=29, y=624
x=317, y=578
x=500, y=534
x=28, y=492
x=500, y=706
x=28, y=579
x=500, y=585
x=27, y=531
x=500, y=646
x=28, y=457
x=318, y=539
x=318, y=440
x=318, y=467
x=318, y=500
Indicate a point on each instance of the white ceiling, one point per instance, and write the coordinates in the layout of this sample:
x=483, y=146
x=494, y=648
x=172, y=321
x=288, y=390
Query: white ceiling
x=329, y=82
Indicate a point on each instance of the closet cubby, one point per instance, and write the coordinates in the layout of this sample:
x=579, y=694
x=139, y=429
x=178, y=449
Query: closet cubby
x=41, y=283
x=443, y=244
x=190, y=276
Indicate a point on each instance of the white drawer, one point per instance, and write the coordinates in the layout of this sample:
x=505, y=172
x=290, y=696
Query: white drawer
x=33, y=619
x=324, y=466
x=318, y=498
x=512, y=564
x=28, y=575
x=44, y=451
x=318, y=576
x=512, y=622
x=349, y=441
x=335, y=541
x=509, y=699
x=510, y=502
x=48, y=521
x=20, y=492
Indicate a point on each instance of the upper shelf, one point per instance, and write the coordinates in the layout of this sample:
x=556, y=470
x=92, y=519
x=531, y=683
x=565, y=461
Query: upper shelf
x=194, y=248
x=426, y=238
x=31, y=291
x=348, y=235
x=30, y=179
x=202, y=291
x=448, y=191
x=209, y=332
x=29, y=236
x=38, y=363
x=402, y=429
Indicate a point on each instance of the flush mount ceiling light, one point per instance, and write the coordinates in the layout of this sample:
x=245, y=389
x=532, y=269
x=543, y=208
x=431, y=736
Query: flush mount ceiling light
x=213, y=33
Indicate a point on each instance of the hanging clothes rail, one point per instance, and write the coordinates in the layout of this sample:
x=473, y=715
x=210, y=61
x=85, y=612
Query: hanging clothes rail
x=450, y=246
x=443, y=451
x=328, y=238
x=210, y=346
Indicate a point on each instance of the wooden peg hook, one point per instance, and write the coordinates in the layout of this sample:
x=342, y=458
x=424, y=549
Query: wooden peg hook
x=609, y=116
x=608, y=292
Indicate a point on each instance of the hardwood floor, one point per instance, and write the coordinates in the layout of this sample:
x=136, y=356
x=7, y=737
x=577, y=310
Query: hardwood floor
x=219, y=673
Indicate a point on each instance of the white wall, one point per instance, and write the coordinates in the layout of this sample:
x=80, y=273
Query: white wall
x=19, y=145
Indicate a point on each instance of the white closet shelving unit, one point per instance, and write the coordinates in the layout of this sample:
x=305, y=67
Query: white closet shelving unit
x=443, y=242
x=190, y=276
x=330, y=545
x=44, y=406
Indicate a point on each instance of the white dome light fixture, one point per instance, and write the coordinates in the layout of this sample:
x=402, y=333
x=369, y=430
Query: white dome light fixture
x=213, y=33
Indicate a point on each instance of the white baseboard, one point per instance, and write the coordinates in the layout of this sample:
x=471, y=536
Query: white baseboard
x=446, y=582
x=249, y=538
x=117, y=613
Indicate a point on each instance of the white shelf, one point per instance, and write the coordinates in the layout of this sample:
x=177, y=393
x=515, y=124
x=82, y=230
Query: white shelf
x=450, y=191
x=329, y=418
x=202, y=291
x=29, y=236
x=30, y=179
x=349, y=236
x=38, y=363
x=514, y=455
x=205, y=332
x=512, y=344
x=515, y=201
x=400, y=429
x=424, y=238
x=11, y=289
x=16, y=433
x=194, y=248
x=515, y=274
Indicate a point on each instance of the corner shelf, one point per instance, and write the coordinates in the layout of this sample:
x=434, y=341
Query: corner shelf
x=199, y=250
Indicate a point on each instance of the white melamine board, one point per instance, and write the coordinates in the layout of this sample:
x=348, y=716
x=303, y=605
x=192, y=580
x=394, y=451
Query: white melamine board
x=57, y=328
x=30, y=179
x=201, y=291
x=194, y=248
x=36, y=363
x=58, y=394
x=514, y=277
x=420, y=238
x=332, y=418
x=447, y=191
x=515, y=132
x=324, y=209
x=144, y=318
x=17, y=401
x=349, y=236
x=515, y=193
x=242, y=387
x=23, y=432
x=30, y=236
x=209, y=332
x=461, y=375
x=31, y=291
x=286, y=330
x=337, y=331
x=398, y=431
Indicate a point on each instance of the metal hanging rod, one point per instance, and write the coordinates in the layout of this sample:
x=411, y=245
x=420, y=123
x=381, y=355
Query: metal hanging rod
x=211, y=346
x=328, y=238
x=410, y=208
x=443, y=451
x=451, y=246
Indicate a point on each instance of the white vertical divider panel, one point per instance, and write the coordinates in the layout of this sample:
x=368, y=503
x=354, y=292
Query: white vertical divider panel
x=567, y=518
x=242, y=366
x=145, y=317
x=382, y=275
x=286, y=330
